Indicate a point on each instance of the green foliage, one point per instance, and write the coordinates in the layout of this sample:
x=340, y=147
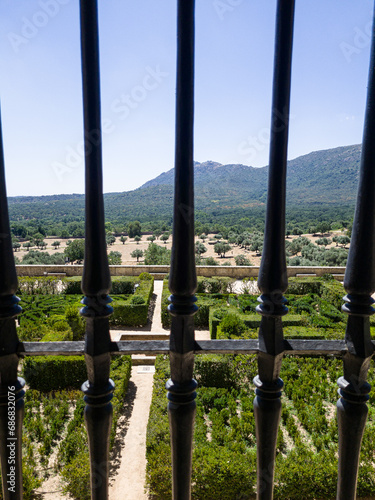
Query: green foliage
x=76, y=322
x=114, y=258
x=35, y=257
x=209, y=261
x=241, y=260
x=222, y=248
x=75, y=250
x=134, y=229
x=231, y=326
x=156, y=255
x=76, y=475
x=224, y=438
x=137, y=254
x=48, y=373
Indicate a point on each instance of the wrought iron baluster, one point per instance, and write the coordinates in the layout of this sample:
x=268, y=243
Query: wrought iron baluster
x=11, y=386
x=359, y=283
x=96, y=280
x=183, y=281
x=272, y=280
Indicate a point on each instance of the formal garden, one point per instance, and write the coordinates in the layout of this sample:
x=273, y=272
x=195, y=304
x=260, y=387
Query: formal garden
x=54, y=435
x=224, y=454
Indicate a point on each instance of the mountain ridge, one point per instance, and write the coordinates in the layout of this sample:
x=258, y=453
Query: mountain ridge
x=326, y=177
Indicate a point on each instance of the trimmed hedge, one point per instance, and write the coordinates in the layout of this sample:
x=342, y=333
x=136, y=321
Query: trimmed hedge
x=51, y=373
x=132, y=310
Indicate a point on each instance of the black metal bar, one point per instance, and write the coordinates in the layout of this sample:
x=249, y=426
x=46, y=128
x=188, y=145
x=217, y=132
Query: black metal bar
x=96, y=281
x=183, y=280
x=359, y=283
x=337, y=348
x=272, y=280
x=11, y=386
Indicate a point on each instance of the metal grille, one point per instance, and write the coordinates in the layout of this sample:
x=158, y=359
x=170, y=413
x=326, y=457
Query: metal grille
x=356, y=350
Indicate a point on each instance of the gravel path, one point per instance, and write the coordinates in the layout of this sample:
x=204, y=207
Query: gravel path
x=128, y=458
x=129, y=461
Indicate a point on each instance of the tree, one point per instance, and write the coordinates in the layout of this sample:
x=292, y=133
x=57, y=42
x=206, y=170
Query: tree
x=38, y=238
x=323, y=241
x=203, y=236
x=36, y=257
x=27, y=245
x=222, y=248
x=164, y=237
x=75, y=250
x=200, y=248
x=134, y=229
x=151, y=238
x=42, y=245
x=137, y=239
x=241, y=260
x=257, y=245
x=246, y=243
x=56, y=244
x=114, y=258
x=342, y=240
x=16, y=246
x=64, y=234
x=157, y=233
x=210, y=261
x=137, y=253
x=110, y=239
x=123, y=239
x=157, y=255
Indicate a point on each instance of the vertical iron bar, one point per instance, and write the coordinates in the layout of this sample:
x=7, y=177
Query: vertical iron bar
x=96, y=280
x=183, y=281
x=359, y=283
x=11, y=386
x=272, y=280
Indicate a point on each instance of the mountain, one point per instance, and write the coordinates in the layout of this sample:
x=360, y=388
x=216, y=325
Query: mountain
x=327, y=177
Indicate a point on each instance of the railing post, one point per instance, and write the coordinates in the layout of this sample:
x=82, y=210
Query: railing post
x=11, y=386
x=359, y=283
x=96, y=280
x=183, y=281
x=272, y=280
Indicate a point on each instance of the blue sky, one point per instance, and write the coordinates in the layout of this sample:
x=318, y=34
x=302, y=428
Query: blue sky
x=40, y=86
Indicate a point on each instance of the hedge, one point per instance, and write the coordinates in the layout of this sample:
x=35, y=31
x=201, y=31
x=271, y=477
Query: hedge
x=224, y=464
x=132, y=310
x=50, y=373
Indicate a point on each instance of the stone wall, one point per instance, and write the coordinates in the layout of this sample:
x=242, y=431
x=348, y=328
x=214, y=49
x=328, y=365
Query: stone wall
x=161, y=271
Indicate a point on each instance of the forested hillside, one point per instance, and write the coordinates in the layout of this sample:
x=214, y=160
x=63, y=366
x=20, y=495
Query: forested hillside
x=320, y=186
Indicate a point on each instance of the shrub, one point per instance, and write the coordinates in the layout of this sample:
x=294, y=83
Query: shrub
x=212, y=370
x=137, y=299
x=231, y=326
x=76, y=322
x=49, y=373
x=76, y=475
